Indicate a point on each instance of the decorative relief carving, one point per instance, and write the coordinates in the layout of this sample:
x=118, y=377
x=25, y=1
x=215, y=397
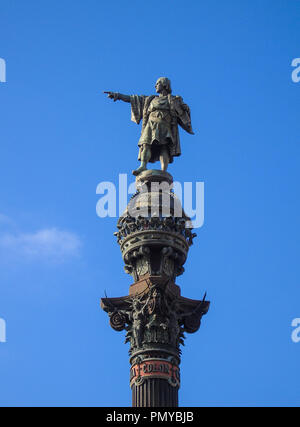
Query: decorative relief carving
x=155, y=319
x=180, y=226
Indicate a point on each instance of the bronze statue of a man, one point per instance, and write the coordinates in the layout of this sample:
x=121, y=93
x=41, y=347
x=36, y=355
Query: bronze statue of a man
x=161, y=115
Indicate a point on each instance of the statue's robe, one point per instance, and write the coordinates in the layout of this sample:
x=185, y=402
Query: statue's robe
x=161, y=117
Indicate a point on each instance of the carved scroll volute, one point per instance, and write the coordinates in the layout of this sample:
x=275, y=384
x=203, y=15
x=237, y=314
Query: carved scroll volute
x=118, y=321
x=192, y=323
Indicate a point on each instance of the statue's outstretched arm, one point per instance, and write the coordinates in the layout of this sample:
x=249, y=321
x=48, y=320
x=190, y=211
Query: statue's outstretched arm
x=118, y=96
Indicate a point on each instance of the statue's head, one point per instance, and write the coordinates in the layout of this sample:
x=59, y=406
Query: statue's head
x=163, y=83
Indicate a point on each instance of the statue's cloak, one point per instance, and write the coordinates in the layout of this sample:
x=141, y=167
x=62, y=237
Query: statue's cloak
x=180, y=114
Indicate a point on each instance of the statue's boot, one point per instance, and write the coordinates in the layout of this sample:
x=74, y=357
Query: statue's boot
x=142, y=168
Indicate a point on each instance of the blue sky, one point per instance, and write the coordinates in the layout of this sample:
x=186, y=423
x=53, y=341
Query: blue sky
x=60, y=137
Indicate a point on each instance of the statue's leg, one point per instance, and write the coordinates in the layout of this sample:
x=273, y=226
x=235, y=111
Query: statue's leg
x=164, y=158
x=145, y=157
